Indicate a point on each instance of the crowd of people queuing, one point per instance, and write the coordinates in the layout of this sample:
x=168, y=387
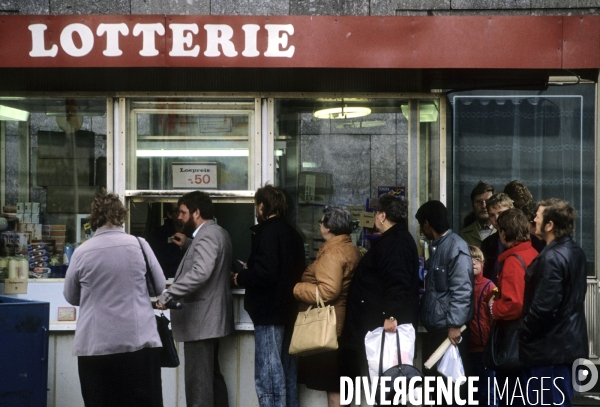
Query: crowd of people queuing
x=514, y=263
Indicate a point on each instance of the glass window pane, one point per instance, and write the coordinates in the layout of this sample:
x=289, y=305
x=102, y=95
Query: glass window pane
x=54, y=157
x=326, y=158
x=544, y=139
x=191, y=144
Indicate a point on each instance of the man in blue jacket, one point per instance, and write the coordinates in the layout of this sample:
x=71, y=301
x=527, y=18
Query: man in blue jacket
x=553, y=333
x=447, y=304
x=275, y=265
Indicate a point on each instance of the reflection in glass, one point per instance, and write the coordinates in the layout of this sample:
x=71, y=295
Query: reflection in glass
x=175, y=140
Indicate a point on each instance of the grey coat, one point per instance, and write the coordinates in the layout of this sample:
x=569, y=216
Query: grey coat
x=202, y=284
x=106, y=278
x=447, y=301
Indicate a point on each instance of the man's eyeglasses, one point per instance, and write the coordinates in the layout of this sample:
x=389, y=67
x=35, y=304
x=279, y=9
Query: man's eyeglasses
x=480, y=202
x=320, y=222
x=476, y=260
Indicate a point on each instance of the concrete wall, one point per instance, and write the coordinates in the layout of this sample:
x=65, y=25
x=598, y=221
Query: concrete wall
x=304, y=7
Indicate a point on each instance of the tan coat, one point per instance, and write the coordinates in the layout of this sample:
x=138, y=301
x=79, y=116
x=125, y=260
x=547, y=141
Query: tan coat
x=332, y=272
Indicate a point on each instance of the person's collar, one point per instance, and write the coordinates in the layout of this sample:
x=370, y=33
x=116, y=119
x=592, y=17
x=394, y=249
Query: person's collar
x=437, y=240
x=109, y=228
x=260, y=225
x=487, y=226
x=196, y=231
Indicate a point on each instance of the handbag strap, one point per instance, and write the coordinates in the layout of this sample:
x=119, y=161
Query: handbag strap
x=381, y=351
x=149, y=279
x=319, y=299
x=521, y=260
x=320, y=303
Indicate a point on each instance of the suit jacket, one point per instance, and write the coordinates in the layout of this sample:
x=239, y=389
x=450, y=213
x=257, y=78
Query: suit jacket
x=202, y=285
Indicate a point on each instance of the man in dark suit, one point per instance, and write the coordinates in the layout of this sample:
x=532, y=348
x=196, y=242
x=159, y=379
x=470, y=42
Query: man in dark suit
x=202, y=285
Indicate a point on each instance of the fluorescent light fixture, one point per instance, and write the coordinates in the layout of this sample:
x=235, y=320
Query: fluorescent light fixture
x=10, y=113
x=563, y=80
x=427, y=112
x=342, y=112
x=361, y=124
x=224, y=152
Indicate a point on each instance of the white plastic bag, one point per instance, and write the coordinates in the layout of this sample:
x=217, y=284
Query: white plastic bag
x=451, y=364
x=406, y=333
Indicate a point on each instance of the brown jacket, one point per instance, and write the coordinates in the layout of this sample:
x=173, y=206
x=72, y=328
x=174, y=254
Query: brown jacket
x=332, y=272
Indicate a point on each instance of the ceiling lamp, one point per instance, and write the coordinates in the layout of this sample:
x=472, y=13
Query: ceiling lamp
x=10, y=113
x=342, y=112
x=427, y=112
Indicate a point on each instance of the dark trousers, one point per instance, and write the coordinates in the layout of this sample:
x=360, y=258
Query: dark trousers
x=204, y=384
x=129, y=379
x=486, y=377
x=556, y=388
x=512, y=386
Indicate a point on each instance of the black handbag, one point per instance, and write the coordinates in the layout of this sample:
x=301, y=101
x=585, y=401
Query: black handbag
x=501, y=352
x=168, y=353
x=394, y=372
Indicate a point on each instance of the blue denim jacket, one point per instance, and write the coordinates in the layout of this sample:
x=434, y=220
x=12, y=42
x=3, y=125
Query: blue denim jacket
x=448, y=298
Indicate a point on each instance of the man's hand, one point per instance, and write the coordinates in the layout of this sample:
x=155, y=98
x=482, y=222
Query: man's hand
x=160, y=306
x=178, y=239
x=390, y=326
x=454, y=336
x=234, y=278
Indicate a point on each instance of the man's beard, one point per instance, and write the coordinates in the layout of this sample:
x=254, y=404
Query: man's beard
x=483, y=219
x=189, y=227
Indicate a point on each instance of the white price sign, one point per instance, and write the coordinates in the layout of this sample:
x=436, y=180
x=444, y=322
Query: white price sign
x=194, y=175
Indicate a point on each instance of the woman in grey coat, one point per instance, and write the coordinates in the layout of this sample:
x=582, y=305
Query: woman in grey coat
x=116, y=340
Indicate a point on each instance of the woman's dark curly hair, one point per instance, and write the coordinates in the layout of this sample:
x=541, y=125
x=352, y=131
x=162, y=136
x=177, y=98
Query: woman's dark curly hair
x=395, y=207
x=107, y=210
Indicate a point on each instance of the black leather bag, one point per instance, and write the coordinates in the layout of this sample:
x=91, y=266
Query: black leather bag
x=168, y=353
x=394, y=372
x=501, y=352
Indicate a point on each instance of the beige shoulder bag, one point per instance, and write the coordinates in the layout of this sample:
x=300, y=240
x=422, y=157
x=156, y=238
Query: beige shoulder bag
x=314, y=330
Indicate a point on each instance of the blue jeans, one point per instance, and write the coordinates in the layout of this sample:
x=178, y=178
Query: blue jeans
x=557, y=392
x=275, y=373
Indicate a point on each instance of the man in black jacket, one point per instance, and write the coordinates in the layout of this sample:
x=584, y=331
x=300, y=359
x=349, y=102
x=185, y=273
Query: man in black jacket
x=275, y=265
x=553, y=333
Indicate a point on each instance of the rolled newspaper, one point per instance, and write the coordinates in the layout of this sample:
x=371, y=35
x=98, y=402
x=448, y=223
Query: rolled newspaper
x=439, y=352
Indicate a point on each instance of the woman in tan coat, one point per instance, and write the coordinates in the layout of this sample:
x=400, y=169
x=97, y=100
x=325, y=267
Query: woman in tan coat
x=331, y=272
